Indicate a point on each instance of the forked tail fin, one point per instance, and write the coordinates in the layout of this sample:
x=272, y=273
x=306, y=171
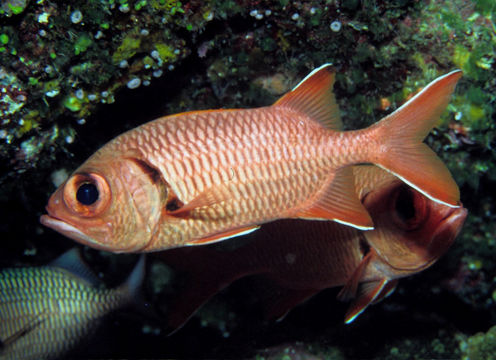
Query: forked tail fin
x=402, y=151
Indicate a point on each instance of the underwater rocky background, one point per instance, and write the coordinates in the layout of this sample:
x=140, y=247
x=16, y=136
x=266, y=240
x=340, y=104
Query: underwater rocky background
x=74, y=74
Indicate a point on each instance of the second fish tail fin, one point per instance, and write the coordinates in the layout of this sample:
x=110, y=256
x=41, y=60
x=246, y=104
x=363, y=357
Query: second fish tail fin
x=402, y=151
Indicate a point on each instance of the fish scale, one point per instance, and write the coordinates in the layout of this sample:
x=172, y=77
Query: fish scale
x=196, y=179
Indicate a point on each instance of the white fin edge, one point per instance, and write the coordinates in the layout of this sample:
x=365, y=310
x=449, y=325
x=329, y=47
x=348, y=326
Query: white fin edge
x=425, y=88
x=338, y=221
x=353, y=225
x=246, y=232
x=418, y=189
x=311, y=74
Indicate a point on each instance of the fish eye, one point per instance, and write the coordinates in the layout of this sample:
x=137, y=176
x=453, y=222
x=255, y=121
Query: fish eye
x=409, y=208
x=404, y=206
x=87, y=194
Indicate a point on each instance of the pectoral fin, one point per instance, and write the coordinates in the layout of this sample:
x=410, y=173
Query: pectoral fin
x=209, y=197
x=32, y=324
x=224, y=235
x=340, y=203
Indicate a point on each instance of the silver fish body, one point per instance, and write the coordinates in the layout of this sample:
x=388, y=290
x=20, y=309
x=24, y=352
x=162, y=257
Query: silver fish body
x=47, y=311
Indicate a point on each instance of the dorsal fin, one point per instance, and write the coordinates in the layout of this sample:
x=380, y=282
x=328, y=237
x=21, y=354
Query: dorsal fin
x=73, y=262
x=313, y=96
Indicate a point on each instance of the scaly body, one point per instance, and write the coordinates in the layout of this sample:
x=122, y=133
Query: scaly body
x=283, y=174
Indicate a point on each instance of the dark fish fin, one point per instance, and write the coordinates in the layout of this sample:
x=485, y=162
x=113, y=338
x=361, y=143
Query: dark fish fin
x=224, y=235
x=313, y=96
x=340, y=203
x=132, y=285
x=368, y=293
x=402, y=151
x=132, y=291
x=204, y=271
x=349, y=290
x=277, y=301
x=73, y=262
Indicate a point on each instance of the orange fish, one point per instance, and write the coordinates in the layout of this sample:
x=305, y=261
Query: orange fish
x=297, y=259
x=204, y=176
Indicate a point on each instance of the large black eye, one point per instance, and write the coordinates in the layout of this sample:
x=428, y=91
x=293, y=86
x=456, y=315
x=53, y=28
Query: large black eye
x=87, y=194
x=405, y=207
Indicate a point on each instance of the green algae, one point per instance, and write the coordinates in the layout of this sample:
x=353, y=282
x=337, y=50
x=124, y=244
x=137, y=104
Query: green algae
x=480, y=346
x=4, y=39
x=82, y=44
x=129, y=46
x=13, y=7
x=72, y=103
x=166, y=52
x=171, y=6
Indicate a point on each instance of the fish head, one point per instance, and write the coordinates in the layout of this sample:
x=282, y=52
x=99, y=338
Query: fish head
x=110, y=203
x=411, y=231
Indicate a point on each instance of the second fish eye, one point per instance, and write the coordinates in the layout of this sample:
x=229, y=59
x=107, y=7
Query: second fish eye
x=405, y=207
x=87, y=194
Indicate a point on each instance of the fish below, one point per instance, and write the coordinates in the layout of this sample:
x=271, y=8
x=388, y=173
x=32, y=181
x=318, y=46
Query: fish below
x=204, y=176
x=295, y=259
x=46, y=311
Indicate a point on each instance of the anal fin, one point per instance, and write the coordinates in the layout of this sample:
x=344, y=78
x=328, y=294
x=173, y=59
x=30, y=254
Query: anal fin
x=277, y=300
x=368, y=293
x=224, y=235
x=387, y=290
x=349, y=290
x=340, y=203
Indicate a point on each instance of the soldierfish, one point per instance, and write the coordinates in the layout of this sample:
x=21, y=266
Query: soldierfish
x=46, y=311
x=204, y=176
x=297, y=259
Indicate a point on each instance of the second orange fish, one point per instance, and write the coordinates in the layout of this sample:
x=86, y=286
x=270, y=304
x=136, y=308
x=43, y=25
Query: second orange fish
x=204, y=176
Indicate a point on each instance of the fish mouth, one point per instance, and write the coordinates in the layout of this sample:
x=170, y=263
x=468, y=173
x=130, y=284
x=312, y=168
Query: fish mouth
x=71, y=232
x=446, y=234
